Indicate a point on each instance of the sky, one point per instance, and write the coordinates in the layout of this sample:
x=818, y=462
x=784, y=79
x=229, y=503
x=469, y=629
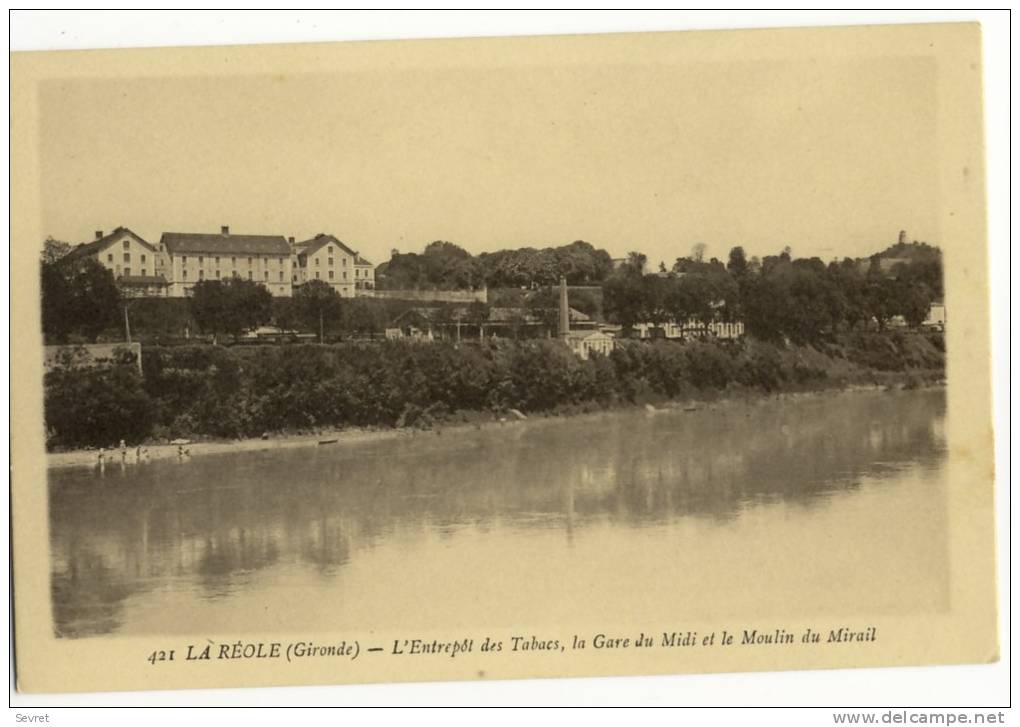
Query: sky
x=832, y=158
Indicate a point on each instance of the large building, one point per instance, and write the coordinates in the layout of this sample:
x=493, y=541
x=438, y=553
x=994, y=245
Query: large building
x=172, y=267
x=138, y=266
x=326, y=258
x=193, y=257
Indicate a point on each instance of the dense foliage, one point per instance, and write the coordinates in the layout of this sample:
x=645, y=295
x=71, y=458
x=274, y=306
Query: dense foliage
x=444, y=265
x=800, y=300
x=230, y=306
x=238, y=391
x=79, y=298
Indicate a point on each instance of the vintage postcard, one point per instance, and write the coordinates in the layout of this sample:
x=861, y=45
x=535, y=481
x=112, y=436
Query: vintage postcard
x=500, y=358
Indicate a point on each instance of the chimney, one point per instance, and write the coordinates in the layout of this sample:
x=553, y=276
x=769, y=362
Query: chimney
x=564, y=309
x=903, y=237
x=224, y=230
x=99, y=234
x=290, y=240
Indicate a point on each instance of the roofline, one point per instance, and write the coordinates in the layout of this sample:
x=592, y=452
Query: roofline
x=106, y=240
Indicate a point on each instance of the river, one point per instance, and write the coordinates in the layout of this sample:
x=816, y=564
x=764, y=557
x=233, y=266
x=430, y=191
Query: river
x=795, y=507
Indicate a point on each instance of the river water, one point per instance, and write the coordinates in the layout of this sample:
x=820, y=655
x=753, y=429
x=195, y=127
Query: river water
x=827, y=505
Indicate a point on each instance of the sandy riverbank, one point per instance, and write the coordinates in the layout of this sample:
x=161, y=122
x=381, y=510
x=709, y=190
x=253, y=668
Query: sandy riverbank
x=151, y=452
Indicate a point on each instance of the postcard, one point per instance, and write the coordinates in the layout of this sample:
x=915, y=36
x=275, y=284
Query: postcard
x=500, y=358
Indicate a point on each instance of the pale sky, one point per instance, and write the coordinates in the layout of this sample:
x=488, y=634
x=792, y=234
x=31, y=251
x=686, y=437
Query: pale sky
x=832, y=158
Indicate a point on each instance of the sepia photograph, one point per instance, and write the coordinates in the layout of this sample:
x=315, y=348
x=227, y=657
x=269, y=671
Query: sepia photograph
x=427, y=360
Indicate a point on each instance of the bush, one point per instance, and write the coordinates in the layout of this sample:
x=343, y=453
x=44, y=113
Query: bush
x=243, y=391
x=96, y=406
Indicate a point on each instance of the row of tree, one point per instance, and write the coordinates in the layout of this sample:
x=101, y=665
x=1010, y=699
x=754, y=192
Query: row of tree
x=778, y=296
x=799, y=299
x=444, y=265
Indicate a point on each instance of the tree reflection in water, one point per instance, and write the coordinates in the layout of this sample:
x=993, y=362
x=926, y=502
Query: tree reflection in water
x=219, y=525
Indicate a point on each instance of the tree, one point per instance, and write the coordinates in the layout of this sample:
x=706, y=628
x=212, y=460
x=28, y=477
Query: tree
x=361, y=316
x=737, y=264
x=478, y=314
x=54, y=250
x=698, y=252
x=880, y=296
x=914, y=302
x=78, y=296
x=623, y=293
x=231, y=306
x=316, y=306
x=655, y=294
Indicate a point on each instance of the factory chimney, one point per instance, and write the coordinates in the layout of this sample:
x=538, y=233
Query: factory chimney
x=564, y=309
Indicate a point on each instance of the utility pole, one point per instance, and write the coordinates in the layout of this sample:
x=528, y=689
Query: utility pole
x=127, y=325
x=322, y=337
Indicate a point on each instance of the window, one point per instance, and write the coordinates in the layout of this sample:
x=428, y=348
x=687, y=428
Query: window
x=236, y=274
x=184, y=274
x=316, y=274
x=295, y=278
x=330, y=274
x=233, y=261
x=127, y=257
x=217, y=259
x=143, y=259
x=109, y=258
x=316, y=262
x=184, y=259
x=127, y=244
x=249, y=262
x=201, y=274
x=331, y=262
x=344, y=261
x=267, y=275
x=127, y=271
x=200, y=259
x=142, y=271
x=345, y=275
x=249, y=275
x=217, y=274
x=281, y=276
x=329, y=249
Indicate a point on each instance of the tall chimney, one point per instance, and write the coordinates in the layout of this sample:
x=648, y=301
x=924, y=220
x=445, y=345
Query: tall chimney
x=903, y=237
x=224, y=230
x=564, y=309
x=99, y=234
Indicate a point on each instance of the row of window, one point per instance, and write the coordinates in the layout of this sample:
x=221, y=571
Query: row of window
x=233, y=259
x=127, y=256
x=235, y=274
x=329, y=261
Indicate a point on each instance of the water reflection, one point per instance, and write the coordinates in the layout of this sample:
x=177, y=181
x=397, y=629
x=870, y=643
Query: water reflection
x=228, y=536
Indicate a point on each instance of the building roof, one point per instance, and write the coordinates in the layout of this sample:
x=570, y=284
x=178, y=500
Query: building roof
x=588, y=333
x=307, y=247
x=362, y=262
x=141, y=280
x=178, y=243
x=97, y=246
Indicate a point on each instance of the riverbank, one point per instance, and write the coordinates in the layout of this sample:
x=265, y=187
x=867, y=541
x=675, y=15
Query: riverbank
x=156, y=451
x=216, y=394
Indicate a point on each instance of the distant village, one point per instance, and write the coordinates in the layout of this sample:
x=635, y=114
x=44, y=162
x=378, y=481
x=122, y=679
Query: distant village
x=172, y=268
x=236, y=335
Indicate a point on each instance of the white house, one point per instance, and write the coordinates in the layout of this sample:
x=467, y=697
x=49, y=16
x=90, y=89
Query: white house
x=585, y=343
x=328, y=259
x=137, y=265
